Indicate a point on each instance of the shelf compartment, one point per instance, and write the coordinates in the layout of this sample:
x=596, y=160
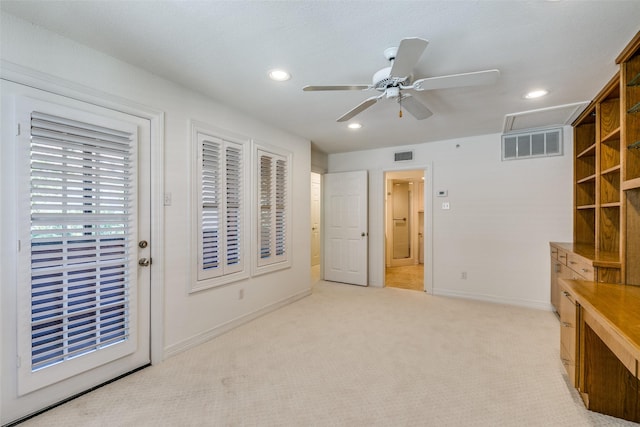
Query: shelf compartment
x=609, y=230
x=634, y=81
x=632, y=203
x=609, y=116
x=584, y=227
x=585, y=136
x=609, y=154
x=610, y=188
x=634, y=146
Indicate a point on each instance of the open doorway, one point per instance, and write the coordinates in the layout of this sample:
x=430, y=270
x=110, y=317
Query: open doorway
x=404, y=229
x=316, y=209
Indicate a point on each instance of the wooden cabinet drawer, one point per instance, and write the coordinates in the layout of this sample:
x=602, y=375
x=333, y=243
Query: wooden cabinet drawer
x=568, y=333
x=554, y=253
x=562, y=256
x=581, y=266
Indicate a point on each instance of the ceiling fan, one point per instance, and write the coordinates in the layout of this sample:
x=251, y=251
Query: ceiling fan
x=396, y=81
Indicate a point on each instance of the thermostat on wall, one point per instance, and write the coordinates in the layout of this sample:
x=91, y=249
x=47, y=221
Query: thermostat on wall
x=442, y=193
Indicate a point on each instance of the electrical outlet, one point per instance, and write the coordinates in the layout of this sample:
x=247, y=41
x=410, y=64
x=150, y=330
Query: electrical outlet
x=463, y=275
x=167, y=199
x=446, y=206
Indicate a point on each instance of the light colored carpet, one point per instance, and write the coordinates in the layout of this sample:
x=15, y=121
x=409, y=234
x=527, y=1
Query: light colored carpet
x=354, y=356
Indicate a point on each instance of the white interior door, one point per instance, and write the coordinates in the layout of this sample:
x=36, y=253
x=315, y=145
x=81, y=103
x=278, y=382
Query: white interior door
x=346, y=228
x=76, y=302
x=315, y=218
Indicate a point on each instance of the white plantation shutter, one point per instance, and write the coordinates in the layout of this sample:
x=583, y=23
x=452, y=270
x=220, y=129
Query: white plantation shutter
x=273, y=207
x=220, y=221
x=82, y=225
x=210, y=204
x=233, y=207
x=266, y=210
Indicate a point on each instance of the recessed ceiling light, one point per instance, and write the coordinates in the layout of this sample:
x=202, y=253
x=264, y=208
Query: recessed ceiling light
x=536, y=93
x=354, y=126
x=279, y=75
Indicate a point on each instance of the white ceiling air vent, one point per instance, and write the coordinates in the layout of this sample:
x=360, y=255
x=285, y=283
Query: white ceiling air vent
x=535, y=143
x=559, y=115
x=403, y=156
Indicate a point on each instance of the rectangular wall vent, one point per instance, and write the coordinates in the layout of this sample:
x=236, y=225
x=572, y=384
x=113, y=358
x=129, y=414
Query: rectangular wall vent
x=535, y=143
x=403, y=156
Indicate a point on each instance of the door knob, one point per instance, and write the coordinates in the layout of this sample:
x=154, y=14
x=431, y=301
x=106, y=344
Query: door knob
x=143, y=244
x=144, y=262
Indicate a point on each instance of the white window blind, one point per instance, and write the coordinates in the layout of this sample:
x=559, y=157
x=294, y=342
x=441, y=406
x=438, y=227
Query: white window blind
x=273, y=208
x=220, y=184
x=82, y=221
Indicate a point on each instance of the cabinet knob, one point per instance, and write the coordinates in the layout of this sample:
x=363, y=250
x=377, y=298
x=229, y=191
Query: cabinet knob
x=566, y=324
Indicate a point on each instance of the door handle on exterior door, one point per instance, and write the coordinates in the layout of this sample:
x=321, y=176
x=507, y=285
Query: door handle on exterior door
x=144, y=262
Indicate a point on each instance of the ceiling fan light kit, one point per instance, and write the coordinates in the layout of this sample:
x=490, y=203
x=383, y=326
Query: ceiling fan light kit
x=396, y=81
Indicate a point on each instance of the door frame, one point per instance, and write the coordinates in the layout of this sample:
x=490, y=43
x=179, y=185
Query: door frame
x=428, y=222
x=45, y=82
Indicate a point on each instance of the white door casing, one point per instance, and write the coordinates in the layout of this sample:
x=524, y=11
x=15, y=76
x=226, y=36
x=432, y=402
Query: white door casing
x=346, y=227
x=315, y=218
x=27, y=384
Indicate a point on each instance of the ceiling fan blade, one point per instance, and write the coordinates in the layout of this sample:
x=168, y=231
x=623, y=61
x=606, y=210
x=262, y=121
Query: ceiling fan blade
x=336, y=87
x=409, y=52
x=415, y=107
x=457, y=80
x=359, y=108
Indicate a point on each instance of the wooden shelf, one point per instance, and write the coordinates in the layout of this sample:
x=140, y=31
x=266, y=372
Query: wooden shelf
x=589, y=152
x=587, y=179
x=634, y=81
x=610, y=205
x=613, y=169
x=613, y=135
x=631, y=184
x=583, y=207
x=634, y=109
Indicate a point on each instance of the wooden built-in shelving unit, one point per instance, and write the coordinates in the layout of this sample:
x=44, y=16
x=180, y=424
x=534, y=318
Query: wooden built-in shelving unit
x=597, y=174
x=629, y=61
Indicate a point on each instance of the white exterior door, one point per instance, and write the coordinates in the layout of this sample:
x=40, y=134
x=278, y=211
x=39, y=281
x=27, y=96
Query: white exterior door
x=346, y=232
x=75, y=299
x=315, y=218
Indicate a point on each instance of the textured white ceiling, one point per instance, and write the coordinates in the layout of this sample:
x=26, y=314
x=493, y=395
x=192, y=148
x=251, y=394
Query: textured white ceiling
x=224, y=49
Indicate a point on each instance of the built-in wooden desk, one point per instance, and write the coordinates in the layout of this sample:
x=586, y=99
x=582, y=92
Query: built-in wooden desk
x=608, y=353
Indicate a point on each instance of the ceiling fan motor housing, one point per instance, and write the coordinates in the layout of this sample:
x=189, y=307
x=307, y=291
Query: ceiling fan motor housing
x=383, y=80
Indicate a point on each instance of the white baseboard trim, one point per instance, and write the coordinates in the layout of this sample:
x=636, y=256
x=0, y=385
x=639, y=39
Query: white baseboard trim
x=538, y=305
x=208, y=335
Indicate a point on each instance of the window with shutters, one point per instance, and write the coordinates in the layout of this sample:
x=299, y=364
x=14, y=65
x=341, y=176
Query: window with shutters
x=273, y=189
x=220, y=218
x=79, y=266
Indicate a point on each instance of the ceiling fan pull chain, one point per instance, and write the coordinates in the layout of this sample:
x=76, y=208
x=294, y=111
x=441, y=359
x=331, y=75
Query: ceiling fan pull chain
x=400, y=102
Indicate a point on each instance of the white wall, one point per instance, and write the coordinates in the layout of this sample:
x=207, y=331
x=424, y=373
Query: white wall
x=188, y=318
x=502, y=216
